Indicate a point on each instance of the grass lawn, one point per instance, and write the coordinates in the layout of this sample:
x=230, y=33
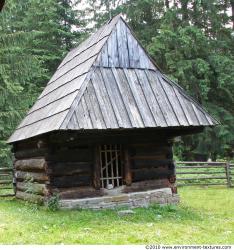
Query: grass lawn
x=205, y=215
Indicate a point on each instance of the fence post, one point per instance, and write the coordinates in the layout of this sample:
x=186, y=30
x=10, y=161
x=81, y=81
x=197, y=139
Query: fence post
x=227, y=168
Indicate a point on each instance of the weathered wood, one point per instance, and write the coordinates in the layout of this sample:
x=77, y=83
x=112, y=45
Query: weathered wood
x=201, y=178
x=30, y=176
x=30, y=153
x=150, y=163
x=115, y=100
x=31, y=164
x=199, y=184
x=148, y=157
x=227, y=169
x=149, y=173
x=5, y=170
x=113, y=50
x=10, y=174
x=127, y=167
x=97, y=168
x=34, y=198
x=6, y=195
x=146, y=185
x=201, y=162
x=5, y=182
x=33, y=188
x=69, y=154
x=68, y=168
x=204, y=166
x=122, y=44
x=104, y=103
x=77, y=192
x=201, y=172
x=71, y=181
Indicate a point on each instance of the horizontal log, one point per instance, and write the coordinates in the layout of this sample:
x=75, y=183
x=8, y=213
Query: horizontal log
x=71, y=155
x=146, y=185
x=150, y=173
x=71, y=181
x=31, y=164
x=148, y=157
x=137, y=163
x=77, y=192
x=148, y=150
x=34, y=198
x=118, y=137
x=34, y=188
x=33, y=143
x=69, y=168
x=31, y=153
x=30, y=176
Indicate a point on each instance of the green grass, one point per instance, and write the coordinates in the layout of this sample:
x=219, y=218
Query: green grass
x=205, y=216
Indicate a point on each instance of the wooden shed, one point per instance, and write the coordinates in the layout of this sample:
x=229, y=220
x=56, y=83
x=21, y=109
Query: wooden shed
x=101, y=132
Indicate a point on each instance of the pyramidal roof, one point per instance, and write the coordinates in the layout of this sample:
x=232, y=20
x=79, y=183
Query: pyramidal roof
x=110, y=82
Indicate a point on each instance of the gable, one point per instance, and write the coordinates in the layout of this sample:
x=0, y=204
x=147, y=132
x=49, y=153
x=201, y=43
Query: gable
x=122, y=50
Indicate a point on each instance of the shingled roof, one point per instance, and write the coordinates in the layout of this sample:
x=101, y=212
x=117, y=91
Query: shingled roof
x=110, y=82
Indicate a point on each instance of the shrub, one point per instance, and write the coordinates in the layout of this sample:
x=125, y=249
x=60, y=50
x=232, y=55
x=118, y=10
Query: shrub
x=53, y=203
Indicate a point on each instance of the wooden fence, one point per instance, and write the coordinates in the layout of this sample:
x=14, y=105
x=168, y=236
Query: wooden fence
x=205, y=173
x=6, y=182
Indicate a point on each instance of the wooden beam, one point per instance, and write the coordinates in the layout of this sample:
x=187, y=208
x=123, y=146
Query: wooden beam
x=31, y=164
x=97, y=168
x=127, y=167
x=30, y=176
x=33, y=188
x=30, y=197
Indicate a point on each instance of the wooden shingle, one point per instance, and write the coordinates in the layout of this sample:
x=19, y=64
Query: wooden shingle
x=110, y=82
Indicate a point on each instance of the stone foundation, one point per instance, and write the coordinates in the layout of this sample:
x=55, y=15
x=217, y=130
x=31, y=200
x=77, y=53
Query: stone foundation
x=130, y=200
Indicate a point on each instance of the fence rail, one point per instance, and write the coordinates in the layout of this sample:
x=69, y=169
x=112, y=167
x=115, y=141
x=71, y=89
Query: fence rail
x=205, y=173
x=6, y=182
x=188, y=174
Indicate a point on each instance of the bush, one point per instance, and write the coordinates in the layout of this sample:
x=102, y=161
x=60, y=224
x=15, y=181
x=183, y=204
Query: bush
x=53, y=203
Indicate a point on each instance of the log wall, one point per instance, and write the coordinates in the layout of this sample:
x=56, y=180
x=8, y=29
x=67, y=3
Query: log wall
x=32, y=181
x=68, y=168
x=150, y=165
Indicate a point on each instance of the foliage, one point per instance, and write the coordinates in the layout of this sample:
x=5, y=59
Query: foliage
x=205, y=216
x=17, y=72
x=53, y=203
x=192, y=42
x=35, y=35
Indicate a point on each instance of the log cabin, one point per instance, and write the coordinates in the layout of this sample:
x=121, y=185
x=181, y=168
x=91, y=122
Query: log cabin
x=101, y=133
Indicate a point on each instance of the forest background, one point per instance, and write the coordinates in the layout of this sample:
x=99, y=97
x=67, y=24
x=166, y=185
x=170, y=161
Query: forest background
x=192, y=41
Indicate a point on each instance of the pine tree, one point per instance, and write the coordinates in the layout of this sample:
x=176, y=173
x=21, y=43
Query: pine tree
x=17, y=72
x=199, y=55
x=35, y=36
